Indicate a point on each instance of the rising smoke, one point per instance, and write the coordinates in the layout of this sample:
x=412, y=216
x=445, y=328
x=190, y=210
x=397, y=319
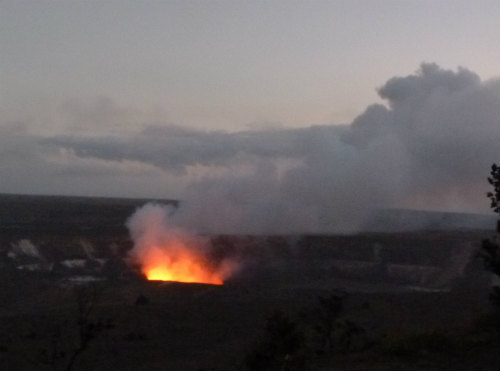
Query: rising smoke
x=166, y=252
x=428, y=148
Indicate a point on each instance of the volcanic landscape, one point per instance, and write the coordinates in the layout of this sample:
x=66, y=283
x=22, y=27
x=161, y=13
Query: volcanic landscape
x=76, y=295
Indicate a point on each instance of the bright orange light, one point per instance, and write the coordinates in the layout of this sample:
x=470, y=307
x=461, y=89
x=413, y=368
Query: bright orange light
x=178, y=264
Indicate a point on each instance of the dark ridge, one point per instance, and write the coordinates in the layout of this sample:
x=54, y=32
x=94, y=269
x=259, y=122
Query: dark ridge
x=399, y=220
x=67, y=215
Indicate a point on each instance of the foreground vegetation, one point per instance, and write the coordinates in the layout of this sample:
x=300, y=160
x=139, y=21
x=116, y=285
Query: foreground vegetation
x=138, y=325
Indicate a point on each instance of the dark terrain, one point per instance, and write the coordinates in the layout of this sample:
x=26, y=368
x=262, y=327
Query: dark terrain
x=419, y=297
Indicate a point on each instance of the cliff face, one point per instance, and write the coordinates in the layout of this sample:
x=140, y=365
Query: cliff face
x=67, y=236
x=423, y=260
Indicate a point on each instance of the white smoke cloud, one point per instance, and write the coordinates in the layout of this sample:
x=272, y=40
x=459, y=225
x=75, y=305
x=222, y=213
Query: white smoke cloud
x=430, y=147
x=162, y=249
x=25, y=247
x=149, y=226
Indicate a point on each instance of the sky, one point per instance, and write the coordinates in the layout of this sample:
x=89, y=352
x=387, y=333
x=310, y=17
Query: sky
x=296, y=104
x=229, y=64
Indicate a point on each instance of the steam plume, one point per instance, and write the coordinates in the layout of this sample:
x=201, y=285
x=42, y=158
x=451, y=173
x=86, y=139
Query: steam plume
x=168, y=253
x=429, y=147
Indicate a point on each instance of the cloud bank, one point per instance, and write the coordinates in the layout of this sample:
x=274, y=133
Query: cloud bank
x=429, y=147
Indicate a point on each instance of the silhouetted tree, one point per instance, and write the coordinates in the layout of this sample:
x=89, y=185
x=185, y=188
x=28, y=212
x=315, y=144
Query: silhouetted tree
x=348, y=330
x=67, y=340
x=490, y=248
x=88, y=329
x=282, y=347
x=328, y=313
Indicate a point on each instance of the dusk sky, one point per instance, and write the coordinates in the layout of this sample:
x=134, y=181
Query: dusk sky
x=228, y=64
x=167, y=98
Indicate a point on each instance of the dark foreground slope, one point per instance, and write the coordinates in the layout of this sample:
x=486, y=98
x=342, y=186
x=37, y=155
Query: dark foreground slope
x=419, y=298
x=148, y=325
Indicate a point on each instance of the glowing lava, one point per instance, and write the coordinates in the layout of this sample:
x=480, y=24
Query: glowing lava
x=165, y=252
x=178, y=264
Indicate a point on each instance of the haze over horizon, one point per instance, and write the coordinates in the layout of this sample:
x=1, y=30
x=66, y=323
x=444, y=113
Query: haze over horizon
x=253, y=112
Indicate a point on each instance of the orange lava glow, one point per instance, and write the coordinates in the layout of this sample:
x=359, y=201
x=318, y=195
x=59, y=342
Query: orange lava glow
x=178, y=264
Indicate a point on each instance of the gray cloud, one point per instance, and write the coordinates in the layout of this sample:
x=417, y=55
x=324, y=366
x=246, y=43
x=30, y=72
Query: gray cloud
x=29, y=165
x=429, y=148
x=174, y=148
